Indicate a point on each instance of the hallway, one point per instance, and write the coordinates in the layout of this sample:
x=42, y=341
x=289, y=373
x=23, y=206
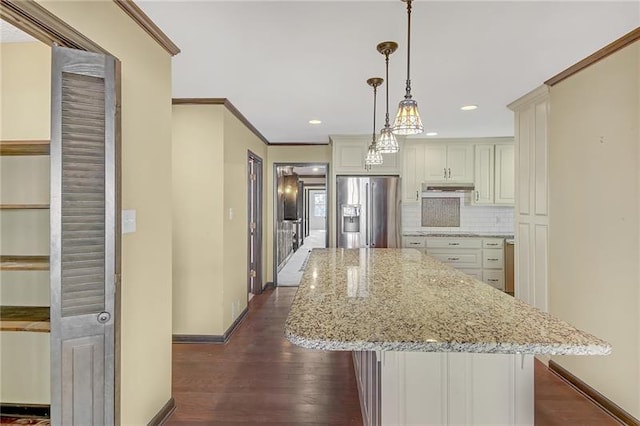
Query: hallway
x=291, y=274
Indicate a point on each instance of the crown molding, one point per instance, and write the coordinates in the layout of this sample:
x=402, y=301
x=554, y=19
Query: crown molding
x=38, y=22
x=226, y=103
x=143, y=20
x=609, y=49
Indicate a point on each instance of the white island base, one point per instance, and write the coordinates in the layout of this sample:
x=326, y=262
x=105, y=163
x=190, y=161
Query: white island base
x=450, y=388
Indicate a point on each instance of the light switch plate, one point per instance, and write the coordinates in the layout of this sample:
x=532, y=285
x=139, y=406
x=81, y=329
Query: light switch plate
x=128, y=221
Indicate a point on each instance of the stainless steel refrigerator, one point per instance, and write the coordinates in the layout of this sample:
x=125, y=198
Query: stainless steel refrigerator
x=368, y=211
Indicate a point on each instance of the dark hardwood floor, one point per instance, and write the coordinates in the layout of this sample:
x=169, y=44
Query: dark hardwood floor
x=558, y=403
x=258, y=377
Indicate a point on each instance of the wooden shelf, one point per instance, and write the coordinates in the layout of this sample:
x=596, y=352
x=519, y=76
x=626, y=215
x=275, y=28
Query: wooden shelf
x=24, y=263
x=25, y=318
x=24, y=147
x=23, y=206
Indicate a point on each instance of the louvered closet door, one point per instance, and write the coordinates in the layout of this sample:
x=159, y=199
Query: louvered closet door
x=83, y=225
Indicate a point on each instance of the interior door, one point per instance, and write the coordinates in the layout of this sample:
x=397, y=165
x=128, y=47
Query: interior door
x=83, y=237
x=317, y=209
x=255, y=224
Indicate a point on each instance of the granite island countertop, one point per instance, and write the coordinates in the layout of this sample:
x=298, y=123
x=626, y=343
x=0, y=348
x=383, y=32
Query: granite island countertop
x=405, y=300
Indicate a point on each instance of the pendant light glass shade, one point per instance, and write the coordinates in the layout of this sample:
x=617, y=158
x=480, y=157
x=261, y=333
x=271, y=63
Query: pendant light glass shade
x=374, y=157
x=387, y=143
x=408, y=120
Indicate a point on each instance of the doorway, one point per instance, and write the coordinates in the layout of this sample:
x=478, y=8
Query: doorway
x=300, y=219
x=73, y=352
x=254, y=225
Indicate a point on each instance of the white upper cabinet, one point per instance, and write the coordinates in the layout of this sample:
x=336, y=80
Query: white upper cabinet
x=460, y=163
x=487, y=162
x=505, y=188
x=449, y=162
x=412, y=171
x=494, y=174
x=435, y=163
x=484, y=174
x=349, y=153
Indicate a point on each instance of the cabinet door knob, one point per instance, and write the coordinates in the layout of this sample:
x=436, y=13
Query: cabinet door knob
x=449, y=173
x=445, y=172
x=454, y=244
x=477, y=195
x=417, y=196
x=453, y=258
x=492, y=259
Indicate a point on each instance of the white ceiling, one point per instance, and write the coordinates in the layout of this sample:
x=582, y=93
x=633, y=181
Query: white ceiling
x=282, y=63
x=10, y=34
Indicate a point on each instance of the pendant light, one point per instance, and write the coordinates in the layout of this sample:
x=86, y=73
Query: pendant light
x=408, y=120
x=373, y=156
x=387, y=143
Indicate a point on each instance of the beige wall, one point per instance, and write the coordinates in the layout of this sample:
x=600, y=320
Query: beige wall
x=594, y=160
x=24, y=114
x=210, y=148
x=198, y=187
x=287, y=154
x=237, y=140
x=145, y=374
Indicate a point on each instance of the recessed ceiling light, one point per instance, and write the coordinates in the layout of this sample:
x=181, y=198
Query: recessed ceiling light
x=469, y=107
x=314, y=121
x=315, y=169
x=432, y=133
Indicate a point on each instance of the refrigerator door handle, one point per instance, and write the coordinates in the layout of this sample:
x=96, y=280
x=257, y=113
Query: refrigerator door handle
x=370, y=210
x=366, y=203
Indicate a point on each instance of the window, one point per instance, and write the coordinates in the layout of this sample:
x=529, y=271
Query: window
x=319, y=205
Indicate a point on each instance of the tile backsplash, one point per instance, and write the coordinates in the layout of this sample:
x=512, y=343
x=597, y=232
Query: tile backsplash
x=473, y=219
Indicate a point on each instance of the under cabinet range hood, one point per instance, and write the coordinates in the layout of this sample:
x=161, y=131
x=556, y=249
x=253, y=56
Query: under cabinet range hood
x=447, y=186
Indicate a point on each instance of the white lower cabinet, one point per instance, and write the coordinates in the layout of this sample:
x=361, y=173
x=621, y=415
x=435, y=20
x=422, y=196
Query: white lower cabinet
x=462, y=258
x=432, y=388
x=413, y=242
x=481, y=258
x=367, y=368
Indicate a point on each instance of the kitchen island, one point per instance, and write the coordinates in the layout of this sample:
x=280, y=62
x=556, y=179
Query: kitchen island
x=431, y=344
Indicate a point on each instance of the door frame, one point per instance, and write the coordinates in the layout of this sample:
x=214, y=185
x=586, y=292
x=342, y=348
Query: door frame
x=38, y=22
x=258, y=283
x=274, y=224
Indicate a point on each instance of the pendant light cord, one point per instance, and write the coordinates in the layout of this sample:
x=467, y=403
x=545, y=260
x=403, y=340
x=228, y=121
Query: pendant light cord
x=408, y=94
x=386, y=59
x=375, y=90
